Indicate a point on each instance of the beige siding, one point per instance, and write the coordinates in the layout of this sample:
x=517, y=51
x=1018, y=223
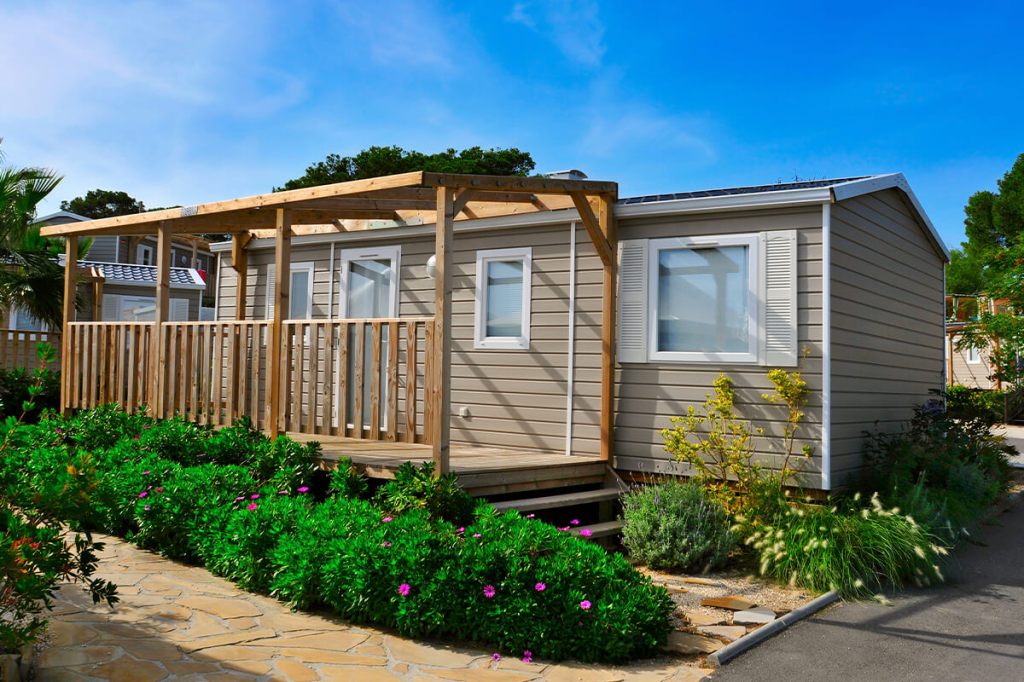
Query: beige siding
x=648, y=394
x=103, y=249
x=887, y=321
x=967, y=373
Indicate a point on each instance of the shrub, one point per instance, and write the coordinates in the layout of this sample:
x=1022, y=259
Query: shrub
x=676, y=526
x=176, y=440
x=418, y=488
x=973, y=403
x=346, y=481
x=102, y=426
x=849, y=548
x=14, y=391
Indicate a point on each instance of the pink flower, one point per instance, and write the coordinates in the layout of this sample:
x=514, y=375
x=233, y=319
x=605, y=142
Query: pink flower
x=460, y=529
x=387, y=519
x=282, y=492
x=477, y=535
x=540, y=587
x=404, y=589
x=574, y=522
x=304, y=489
x=586, y=532
x=495, y=657
x=239, y=498
x=563, y=528
x=254, y=496
x=136, y=436
x=530, y=516
x=146, y=507
x=143, y=494
x=527, y=656
x=489, y=591
x=585, y=605
x=252, y=507
x=385, y=544
x=145, y=473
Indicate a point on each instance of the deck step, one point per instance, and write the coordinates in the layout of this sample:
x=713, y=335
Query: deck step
x=556, y=501
x=600, y=530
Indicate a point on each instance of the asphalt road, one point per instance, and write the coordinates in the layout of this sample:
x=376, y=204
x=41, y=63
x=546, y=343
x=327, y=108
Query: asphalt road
x=972, y=628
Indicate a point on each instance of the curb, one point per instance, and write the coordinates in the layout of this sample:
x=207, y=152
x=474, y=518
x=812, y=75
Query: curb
x=755, y=637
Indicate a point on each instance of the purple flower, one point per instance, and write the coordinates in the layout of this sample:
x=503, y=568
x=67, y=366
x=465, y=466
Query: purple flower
x=495, y=657
x=145, y=473
x=60, y=430
x=460, y=529
x=574, y=522
x=586, y=532
x=136, y=436
x=477, y=535
x=387, y=519
x=385, y=544
x=143, y=494
x=527, y=656
x=540, y=587
x=563, y=528
x=146, y=507
x=252, y=507
x=489, y=591
x=304, y=489
x=585, y=605
x=239, y=498
x=531, y=516
x=404, y=589
x=254, y=496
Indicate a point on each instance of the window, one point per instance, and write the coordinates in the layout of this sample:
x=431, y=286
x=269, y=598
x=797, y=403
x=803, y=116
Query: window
x=973, y=356
x=144, y=255
x=704, y=293
x=121, y=308
x=502, y=317
x=23, y=321
x=300, y=293
x=709, y=299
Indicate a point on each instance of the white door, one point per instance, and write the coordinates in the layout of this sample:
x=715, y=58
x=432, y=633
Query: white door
x=369, y=289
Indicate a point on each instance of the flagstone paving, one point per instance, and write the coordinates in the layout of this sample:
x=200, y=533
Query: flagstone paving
x=178, y=622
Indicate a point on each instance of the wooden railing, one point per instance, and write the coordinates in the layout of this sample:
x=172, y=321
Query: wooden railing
x=357, y=378
x=18, y=348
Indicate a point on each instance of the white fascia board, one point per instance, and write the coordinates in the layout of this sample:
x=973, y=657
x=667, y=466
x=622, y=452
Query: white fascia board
x=877, y=183
x=730, y=202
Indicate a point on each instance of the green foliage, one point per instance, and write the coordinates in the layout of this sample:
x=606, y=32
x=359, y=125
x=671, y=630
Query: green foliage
x=103, y=203
x=347, y=481
x=963, y=402
x=676, y=526
x=791, y=391
x=14, y=391
x=103, y=426
x=852, y=548
x=418, y=488
x=377, y=161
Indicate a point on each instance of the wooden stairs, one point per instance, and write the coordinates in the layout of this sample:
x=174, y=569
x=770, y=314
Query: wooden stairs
x=573, y=502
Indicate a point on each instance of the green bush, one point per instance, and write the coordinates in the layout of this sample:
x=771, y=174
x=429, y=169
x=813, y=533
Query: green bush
x=974, y=403
x=418, y=488
x=676, y=526
x=102, y=426
x=14, y=391
x=852, y=548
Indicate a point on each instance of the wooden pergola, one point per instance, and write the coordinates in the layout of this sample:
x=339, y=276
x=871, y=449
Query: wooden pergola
x=101, y=352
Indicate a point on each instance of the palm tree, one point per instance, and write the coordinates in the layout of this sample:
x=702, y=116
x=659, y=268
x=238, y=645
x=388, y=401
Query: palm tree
x=30, y=276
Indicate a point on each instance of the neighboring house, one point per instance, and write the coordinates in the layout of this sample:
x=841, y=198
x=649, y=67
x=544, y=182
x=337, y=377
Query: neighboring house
x=123, y=276
x=969, y=367
x=841, y=279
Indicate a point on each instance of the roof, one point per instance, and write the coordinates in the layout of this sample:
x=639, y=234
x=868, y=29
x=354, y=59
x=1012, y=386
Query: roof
x=64, y=216
x=731, y=191
x=143, y=275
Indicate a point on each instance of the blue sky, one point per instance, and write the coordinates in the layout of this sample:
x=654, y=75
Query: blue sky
x=186, y=102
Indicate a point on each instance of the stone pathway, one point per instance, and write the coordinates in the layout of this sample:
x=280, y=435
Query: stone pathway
x=180, y=622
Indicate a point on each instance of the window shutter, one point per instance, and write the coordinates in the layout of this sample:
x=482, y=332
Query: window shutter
x=632, y=326
x=270, y=292
x=779, y=261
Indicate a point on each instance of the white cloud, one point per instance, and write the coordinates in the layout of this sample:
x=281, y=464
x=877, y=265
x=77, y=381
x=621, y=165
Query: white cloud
x=574, y=26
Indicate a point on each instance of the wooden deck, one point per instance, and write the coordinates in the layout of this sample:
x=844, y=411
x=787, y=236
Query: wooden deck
x=481, y=470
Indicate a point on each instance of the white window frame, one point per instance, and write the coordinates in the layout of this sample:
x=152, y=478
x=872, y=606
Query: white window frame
x=973, y=356
x=393, y=253
x=145, y=248
x=303, y=266
x=752, y=354
x=480, y=339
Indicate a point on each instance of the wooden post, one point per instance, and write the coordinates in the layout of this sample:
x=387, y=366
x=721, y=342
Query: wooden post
x=158, y=387
x=282, y=275
x=240, y=264
x=949, y=360
x=70, y=289
x=441, y=381
x=607, y=223
x=97, y=299
x=194, y=249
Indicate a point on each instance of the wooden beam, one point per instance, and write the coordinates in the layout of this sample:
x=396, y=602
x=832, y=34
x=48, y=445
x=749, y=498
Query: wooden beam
x=66, y=349
x=516, y=183
x=441, y=382
x=273, y=200
x=606, y=222
x=366, y=204
x=240, y=264
x=594, y=228
x=282, y=282
x=97, y=300
x=158, y=383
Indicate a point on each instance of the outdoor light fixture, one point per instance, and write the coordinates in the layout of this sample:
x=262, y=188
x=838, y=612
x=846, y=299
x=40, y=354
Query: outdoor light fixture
x=432, y=267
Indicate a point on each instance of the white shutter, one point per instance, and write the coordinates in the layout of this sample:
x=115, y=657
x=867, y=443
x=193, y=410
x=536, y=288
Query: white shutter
x=779, y=287
x=179, y=310
x=270, y=292
x=632, y=323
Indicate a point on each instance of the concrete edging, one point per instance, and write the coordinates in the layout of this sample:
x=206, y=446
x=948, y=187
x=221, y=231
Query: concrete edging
x=755, y=637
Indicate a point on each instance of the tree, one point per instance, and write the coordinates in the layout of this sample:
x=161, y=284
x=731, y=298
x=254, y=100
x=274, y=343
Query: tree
x=103, y=203
x=30, y=277
x=377, y=161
